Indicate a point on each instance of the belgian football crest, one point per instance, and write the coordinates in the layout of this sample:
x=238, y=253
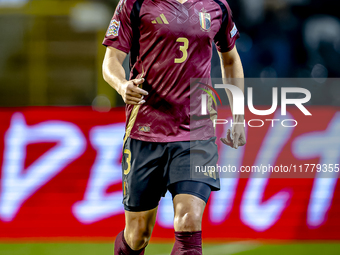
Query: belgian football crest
x=205, y=20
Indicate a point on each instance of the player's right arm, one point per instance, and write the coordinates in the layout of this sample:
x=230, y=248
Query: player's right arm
x=114, y=75
x=118, y=42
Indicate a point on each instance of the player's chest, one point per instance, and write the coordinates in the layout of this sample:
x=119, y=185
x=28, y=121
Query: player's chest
x=171, y=19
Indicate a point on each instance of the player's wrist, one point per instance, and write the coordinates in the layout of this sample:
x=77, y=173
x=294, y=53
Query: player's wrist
x=122, y=84
x=238, y=118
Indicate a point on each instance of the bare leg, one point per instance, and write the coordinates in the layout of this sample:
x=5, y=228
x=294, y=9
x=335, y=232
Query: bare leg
x=188, y=213
x=138, y=228
x=187, y=223
x=137, y=232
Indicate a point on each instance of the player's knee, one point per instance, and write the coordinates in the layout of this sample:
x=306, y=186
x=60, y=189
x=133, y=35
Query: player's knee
x=138, y=237
x=140, y=240
x=188, y=221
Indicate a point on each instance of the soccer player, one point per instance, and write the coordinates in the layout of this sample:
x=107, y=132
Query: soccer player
x=170, y=42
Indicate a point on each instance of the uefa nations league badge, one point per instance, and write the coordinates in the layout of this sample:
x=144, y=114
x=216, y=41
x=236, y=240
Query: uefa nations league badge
x=113, y=28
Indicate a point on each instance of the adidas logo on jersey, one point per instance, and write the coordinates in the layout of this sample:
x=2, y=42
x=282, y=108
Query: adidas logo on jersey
x=160, y=20
x=143, y=129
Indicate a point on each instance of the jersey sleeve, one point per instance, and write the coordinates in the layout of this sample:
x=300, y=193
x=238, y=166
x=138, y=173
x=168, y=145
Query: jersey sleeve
x=119, y=33
x=226, y=37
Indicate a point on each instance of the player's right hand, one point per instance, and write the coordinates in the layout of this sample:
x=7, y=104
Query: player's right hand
x=131, y=93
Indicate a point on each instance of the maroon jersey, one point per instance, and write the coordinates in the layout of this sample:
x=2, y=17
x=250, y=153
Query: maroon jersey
x=170, y=43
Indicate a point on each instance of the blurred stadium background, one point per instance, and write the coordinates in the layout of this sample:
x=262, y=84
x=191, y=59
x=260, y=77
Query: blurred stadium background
x=61, y=132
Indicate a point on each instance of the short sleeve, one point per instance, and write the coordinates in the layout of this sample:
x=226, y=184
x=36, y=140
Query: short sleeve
x=119, y=33
x=226, y=37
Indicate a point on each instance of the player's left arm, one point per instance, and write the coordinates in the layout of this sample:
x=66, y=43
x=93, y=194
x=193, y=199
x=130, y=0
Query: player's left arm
x=232, y=73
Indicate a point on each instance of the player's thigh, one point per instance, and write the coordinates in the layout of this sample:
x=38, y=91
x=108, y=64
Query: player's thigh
x=188, y=212
x=190, y=196
x=187, y=203
x=143, y=179
x=194, y=161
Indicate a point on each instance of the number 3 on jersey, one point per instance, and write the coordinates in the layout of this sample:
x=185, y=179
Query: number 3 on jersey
x=128, y=161
x=183, y=48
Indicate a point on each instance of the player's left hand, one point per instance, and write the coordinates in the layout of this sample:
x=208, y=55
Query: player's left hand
x=238, y=137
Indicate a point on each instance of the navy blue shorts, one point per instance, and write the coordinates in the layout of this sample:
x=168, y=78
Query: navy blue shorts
x=150, y=169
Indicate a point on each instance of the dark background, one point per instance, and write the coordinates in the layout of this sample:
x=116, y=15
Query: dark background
x=51, y=53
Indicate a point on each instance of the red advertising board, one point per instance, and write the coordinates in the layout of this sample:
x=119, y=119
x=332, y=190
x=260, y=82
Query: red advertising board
x=61, y=177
